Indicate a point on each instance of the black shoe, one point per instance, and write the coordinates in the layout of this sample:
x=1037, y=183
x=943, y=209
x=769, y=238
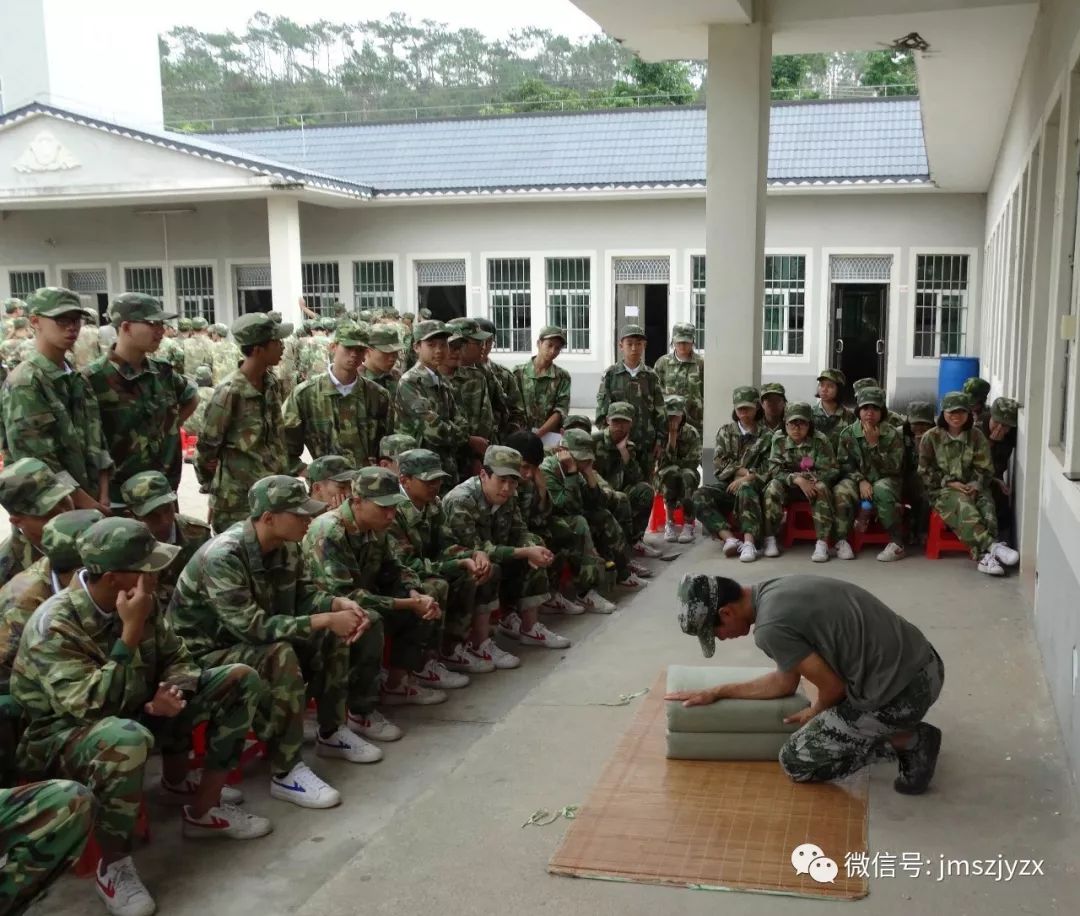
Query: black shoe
x=917, y=765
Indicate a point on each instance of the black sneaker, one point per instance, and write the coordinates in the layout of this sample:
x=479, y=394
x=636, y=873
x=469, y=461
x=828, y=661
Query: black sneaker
x=917, y=765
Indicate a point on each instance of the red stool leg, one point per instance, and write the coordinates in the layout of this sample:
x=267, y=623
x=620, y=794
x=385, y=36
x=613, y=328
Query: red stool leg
x=659, y=514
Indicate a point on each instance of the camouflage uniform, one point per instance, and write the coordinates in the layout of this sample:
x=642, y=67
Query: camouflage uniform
x=634, y=492
x=678, y=477
x=234, y=603
x=384, y=340
x=227, y=359
x=563, y=525
x=193, y=424
x=543, y=393
x=770, y=388
x=313, y=355
x=27, y=487
x=15, y=350
x=1003, y=411
x=473, y=389
x=914, y=490
x=43, y=829
x=87, y=346
x=832, y=424
x=172, y=352
x=786, y=459
x=198, y=351
x=684, y=377
x=83, y=689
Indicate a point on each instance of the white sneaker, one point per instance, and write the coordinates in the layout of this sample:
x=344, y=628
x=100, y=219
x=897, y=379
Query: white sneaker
x=747, y=552
x=374, y=726
x=461, y=660
x=302, y=787
x=686, y=536
x=989, y=564
x=647, y=550
x=632, y=582
x=732, y=547
x=671, y=533
x=436, y=674
x=510, y=625
x=184, y=792
x=409, y=693
x=642, y=572
x=542, y=636
x=122, y=891
x=226, y=821
x=347, y=745
x=843, y=550
x=892, y=552
x=558, y=603
x=595, y=603
x=500, y=658
x=771, y=550
x=1004, y=553
x=821, y=552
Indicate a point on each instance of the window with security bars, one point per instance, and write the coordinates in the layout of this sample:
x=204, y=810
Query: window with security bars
x=569, y=300
x=147, y=280
x=510, y=304
x=23, y=282
x=195, y=292
x=373, y=284
x=321, y=285
x=784, y=322
x=941, y=285
x=697, y=298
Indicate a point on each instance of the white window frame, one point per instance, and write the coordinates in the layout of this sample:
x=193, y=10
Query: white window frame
x=970, y=342
x=230, y=265
x=608, y=321
x=322, y=262
x=589, y=259
x=9, y=269
x=221, y=315
x=475, y=304
x=691, y=306
x=395, y=265
x=782, y=356
x=530, y=259
x=165, y=269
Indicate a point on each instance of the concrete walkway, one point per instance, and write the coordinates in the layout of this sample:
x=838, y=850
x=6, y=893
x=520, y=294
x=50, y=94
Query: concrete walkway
x=436, y=827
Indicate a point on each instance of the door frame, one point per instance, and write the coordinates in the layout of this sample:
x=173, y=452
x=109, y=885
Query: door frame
x=676, y=281
x=883, y=287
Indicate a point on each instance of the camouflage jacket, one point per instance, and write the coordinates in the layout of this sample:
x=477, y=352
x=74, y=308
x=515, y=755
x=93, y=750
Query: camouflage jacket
x=73, y=670
x=320, y=417
x=859, y=461
x=244, y=433
x=198, y=351
x=965, y=459
x=543, y=394
x=686, y=378
x=87, y=346
x=386, y=380
x=15, y=351
x=687, y=451
x=510, y=408
x=570, y=494
x=534, y=510
x=227, y=359
x=19, y=598
x=609, y=462
x=312, y=356
x=1000, y=452
x=426, y=408
x=735, y=449
x=421, y=544
x=140, y=416
x=362, y=565
x=51, y=413
x=470, y=384
x=172, y=352
x=471, y=521
x=189, y=535
x=231, y=593
x=787, y=457
x=643, y=392
x=193, y=424
x=832, y=425
x=16, y=555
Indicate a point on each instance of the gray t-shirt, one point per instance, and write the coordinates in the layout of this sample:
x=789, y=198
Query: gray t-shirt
x=873, y=650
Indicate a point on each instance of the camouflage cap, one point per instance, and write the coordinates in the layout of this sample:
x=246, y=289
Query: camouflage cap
x=258, y=328
x=773, y=388
x=384, y=338
x=422, y=463
x=797, y=410
x=331, y=467
x=833, y=375
x=281, y=493
x=425, y=313
x=380, y=485
x=977, y=388
x=367, y=315
x=699, y=609
x=683, y=333
x=204, y=377
x=549, y=331
x=865, y=383
x=956, y=400
x=579, y=443
x=1004, y=411
x=184, y=324
x=123, y=545
x=428, y=329
x=870, y=395
x=53, y=301
x=137, y=307
x=59, y=537
x=144, y=492
x=745, y=396
x=466, y=329
x=921, y=412
x=674, y=404
x=633, y=330
x=19, y=323
x=410, y=316
x=393, y=445
x=219, y=328
x=30, y=487
x=577, y=421
x=503, y=461
x=12, y=304
x=352, y=335
x=198, y=323
x=621, y=410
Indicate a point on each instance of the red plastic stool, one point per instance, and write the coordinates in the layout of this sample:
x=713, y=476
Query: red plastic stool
x=188, y=444
x=253, y=750
x=659, y=515
x=940, y=539
x=799, y=525
x=875, y=533
x=87, y=863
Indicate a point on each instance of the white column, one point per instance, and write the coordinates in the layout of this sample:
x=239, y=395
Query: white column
x=283, y=224
x=737, y=159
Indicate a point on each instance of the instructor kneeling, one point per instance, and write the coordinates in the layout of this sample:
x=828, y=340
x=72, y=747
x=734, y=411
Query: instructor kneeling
x=876, y=674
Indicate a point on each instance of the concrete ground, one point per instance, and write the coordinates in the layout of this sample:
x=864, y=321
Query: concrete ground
x=437, y=826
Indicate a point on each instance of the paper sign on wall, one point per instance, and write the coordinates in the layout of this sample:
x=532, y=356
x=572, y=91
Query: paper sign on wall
x=632, y=311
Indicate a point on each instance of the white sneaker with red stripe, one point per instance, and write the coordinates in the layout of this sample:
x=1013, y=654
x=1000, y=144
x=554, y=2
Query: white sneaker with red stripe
x=558, y=603
x=632, y=582
x=182, y=793
x=374, y=726
x=647, y=550
x=462, y=660
x=490, y=650
x=510, y=626
x=226, y=822
x=541, y=636
x=121, y=889
x=436, y=674
x=409, y=693
x=640, y=570
x=595, y=603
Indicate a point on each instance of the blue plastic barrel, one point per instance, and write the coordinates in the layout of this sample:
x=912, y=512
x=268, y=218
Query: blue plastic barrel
x=953, y=371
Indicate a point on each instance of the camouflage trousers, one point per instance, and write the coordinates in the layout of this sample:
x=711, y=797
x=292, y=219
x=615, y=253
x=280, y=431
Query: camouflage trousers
x=513, y=585
x=841, y=740
x=633, y=507
x=458, y=608
x=43, y=829
x=569, y=538
x=973, y=519
x=713, y=502
x=610, y=535
x=409, y=636
x=225, y=515
x=778, y=495
x=886, y=501
x=678, y=486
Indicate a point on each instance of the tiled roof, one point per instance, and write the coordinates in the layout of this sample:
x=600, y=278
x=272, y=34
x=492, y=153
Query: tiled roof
x=811, y=143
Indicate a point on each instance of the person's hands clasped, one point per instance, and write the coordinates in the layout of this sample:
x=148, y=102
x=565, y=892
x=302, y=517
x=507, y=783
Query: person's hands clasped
x=807, y=486
x=539, y=557
x=425, y=607
x=168, y=702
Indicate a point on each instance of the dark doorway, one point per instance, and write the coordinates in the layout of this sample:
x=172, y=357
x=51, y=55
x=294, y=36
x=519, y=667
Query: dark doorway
x=656, y=326
x=860, y=331
x=444, y=302
x=254, y=300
